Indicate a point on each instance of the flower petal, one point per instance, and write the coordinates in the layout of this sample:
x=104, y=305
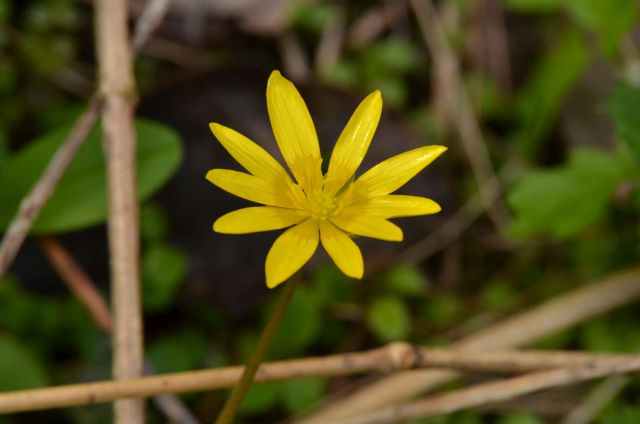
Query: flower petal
x=392, y=206
x=256, y=219
x=368, y=226
x=294, y=131
x=255, y=189
x=252, y=157
x=388, y=176
x=344, y=252
x=353, y=143
x=290, y=251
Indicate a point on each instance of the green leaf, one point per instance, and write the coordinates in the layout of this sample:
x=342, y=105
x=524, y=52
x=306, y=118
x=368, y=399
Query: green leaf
x=178, y=352
x=535, y=6
x=441, y=309
x=19, y=369
x=388, y=318
x=262, y=397
x=80, y=199
x=153, y=223
x=303, y=393
x=564, y=200
x=624, y=108
x=609, y=20
x=299, y=327
x=406, y=280
x=163, y=269
x=539, y=101
x=626, y=415
x=520, y=418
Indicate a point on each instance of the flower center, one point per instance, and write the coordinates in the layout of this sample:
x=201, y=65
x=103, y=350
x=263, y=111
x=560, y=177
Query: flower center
x=320, y=204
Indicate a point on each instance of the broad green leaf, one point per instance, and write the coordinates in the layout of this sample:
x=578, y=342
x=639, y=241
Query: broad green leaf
x=163, y=269
x=535, y=6
x=564, y=200
x=624, y=108
x=19, y=369
x=182, y=351
x=609, y=20
x=539, y=101
x=262, y=397
x=441, y=309
x=299, y=327
x=80, y=199
x=303, y=393
x=388, y=318
x=520, y=418
x=405, y=280
x=622, y=415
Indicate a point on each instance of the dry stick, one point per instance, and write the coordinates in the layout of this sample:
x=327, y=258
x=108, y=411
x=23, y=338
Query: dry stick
x=483, y=394
x=118, y=90
x=78, y=282
x=34, y=201
x=332, y=39
x=293, y=56
x=239, y=391
x=460, y=221
x=459, y=108
x=391, y=357
x=525, y=328
x=85, y=290
x=375, y=22
x=32, y=204
x=595, y=401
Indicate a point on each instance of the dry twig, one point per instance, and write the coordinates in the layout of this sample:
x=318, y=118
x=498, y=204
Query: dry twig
x=458, y=107
x=33, y=202
x=78, y=282
x=594, y=402
x=118, y=90
x=85, y=290
x=391, y=357
x=486, y=393
x=525, y=328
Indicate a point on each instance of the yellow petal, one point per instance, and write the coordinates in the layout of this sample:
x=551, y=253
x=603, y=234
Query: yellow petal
x=257, y=218
x=344, y=252
x=253, y=188
x=353, y=143
x=368, y=226
x=392, y=206
x=294, y=131
x=290, y=251
x=252, y=157
x=393, y=173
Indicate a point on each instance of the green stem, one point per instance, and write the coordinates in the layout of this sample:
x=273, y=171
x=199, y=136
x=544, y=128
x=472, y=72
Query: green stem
x=234, y=401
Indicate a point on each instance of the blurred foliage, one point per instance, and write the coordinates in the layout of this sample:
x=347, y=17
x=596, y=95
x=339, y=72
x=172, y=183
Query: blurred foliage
x=575, y=204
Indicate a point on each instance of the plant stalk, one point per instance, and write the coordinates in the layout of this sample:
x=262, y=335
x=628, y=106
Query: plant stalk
x=240, y=390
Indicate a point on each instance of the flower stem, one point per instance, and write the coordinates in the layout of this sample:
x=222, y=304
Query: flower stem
x=239, y=391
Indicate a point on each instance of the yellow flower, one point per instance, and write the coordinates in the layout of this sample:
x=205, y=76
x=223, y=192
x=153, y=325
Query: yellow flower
x=319, y=208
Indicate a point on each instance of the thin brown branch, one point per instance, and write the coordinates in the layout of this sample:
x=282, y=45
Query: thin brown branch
x=375, y=22
x=457, y=104
x=117, y=86
x=391, y=357
x=483, y=394
x=293, y=56
x=33, y=202
x=596, y=400
x=150, y=19
x=332, y=39
x=78, y=282
x=85, y=290
x=522, y=329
